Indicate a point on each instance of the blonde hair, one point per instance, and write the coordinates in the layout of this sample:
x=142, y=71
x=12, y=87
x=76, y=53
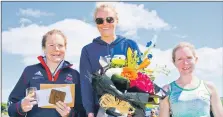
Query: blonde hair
x=104, y=5
x=51, y=32
x=182, y=45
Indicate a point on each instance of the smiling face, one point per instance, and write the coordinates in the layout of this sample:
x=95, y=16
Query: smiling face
x=106, y=29
x=185, y=60
x=55, y=48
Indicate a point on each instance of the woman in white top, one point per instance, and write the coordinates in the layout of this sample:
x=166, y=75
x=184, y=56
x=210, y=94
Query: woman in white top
x=188, y=95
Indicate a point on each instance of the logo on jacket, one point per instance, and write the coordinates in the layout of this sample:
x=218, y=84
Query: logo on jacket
x=38, y=75
x=69, y=79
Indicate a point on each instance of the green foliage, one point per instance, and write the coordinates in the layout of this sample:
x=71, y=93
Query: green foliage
x=4, y=107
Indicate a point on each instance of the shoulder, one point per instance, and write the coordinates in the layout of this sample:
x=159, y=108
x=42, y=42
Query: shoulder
x=210, y=86
x=32, y=67
x=87, y=47
x=131, y=41
x=166, y=87
x=91, y=44
x=72, y=71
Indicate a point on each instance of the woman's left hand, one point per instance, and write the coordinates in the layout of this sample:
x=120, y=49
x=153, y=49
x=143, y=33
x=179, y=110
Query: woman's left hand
x=63, y=109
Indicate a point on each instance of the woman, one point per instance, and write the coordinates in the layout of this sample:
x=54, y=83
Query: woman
x=52, y=69
x=107, y=45
x=188, y=95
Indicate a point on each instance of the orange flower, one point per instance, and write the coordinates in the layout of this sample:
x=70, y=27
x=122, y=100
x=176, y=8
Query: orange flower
x=129, y=73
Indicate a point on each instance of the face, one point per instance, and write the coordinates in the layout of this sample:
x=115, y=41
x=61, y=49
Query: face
x=185, y=60
x=152, y=112
x=106, y=29
x=55, y=48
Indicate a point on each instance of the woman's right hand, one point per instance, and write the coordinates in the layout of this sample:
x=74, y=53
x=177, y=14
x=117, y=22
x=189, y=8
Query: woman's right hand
x=28, y=102
x=91, y=115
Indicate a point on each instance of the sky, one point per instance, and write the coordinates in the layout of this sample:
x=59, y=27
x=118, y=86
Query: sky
x=200, y=23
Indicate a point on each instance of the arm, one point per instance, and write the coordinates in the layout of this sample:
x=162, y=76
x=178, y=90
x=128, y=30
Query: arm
x=78, y=108
x=216, y=105
x=86, y=87
x=164, y=105
x=16, y=96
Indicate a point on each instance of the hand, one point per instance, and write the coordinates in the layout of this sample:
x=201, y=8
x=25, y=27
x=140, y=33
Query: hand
x=63, y=109
x=90, y=114
x=28, y=102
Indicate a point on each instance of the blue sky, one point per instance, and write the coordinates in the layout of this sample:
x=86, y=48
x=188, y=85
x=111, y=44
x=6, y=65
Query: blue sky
x=201, y=23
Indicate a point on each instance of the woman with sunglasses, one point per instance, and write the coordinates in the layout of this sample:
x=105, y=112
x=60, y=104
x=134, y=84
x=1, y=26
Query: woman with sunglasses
x=188, y=95
x=107, y=44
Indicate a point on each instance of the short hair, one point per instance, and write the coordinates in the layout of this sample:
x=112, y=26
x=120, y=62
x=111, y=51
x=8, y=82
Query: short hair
x=51, y=32
x=104, y=5
x=182, y=45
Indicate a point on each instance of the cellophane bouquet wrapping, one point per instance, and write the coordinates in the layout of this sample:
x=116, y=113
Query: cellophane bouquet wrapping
x=126, y=86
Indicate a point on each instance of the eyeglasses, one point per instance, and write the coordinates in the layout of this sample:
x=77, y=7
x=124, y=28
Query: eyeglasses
x=101, y=20
x=152, y=112
x=56, y=45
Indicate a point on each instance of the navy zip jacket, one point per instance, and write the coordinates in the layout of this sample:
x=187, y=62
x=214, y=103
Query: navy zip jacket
x=89, y=63
x=33, y=76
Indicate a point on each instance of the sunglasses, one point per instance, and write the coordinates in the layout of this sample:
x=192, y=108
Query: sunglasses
x=101, y=20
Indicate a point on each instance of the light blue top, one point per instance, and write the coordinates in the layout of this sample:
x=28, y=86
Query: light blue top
x=189, y=102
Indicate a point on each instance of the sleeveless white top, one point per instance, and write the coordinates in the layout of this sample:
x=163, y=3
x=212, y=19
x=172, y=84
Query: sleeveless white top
x=189, y=102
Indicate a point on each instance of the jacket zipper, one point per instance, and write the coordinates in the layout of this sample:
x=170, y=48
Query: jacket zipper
x=108, y=49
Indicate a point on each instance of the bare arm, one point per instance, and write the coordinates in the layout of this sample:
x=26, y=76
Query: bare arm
x=164, y=105
x=216, y=105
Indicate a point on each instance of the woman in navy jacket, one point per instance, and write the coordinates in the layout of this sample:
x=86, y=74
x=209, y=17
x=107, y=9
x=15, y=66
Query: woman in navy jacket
x=52, y=69
x=108, y=44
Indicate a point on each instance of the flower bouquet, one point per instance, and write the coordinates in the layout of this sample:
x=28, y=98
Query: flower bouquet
x=125, y=85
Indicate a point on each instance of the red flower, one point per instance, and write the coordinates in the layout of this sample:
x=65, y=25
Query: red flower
x=144, y=83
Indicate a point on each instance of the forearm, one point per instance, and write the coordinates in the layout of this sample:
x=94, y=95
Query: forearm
x=164, y=108
x=15, y=110
x=217, y=108
x=87, y=96
x=16, y=96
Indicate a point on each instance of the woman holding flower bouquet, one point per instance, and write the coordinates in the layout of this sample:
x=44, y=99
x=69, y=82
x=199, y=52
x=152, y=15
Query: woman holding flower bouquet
x=107, y=45
x=188, y=95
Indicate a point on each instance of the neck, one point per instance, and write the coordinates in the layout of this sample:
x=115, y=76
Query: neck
x=108, y=39
x=186, y=79
x=52, y=66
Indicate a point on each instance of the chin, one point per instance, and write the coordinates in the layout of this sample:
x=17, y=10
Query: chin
x=187, y=73
x=57, y=60
x=106, y=34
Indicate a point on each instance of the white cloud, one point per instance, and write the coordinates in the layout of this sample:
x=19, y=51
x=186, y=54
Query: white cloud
x=34, y=12
x=24, y=21
x=133, y=17
x=180, y=36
